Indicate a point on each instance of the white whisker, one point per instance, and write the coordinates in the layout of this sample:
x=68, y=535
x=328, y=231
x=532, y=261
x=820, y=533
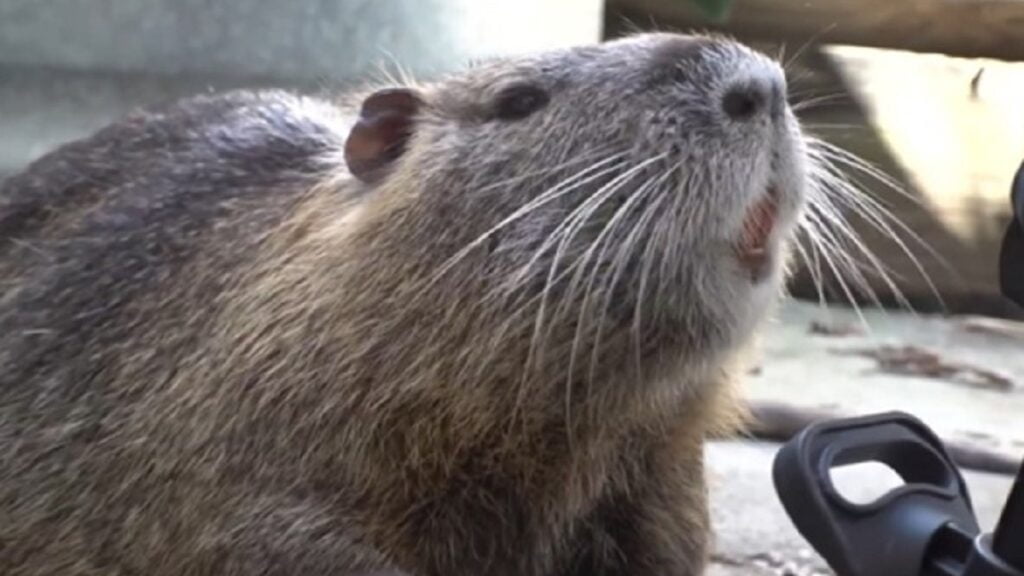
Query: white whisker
x=626, y=250
x=835, y=184
x=837, y=245
x=813, y=268
x=572, y=225
x=827, y=256
x=561, y=189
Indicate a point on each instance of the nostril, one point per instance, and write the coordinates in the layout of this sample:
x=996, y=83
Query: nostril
x=743, y=102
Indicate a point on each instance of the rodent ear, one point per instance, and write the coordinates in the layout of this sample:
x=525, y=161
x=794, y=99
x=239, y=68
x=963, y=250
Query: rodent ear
x=379, y=135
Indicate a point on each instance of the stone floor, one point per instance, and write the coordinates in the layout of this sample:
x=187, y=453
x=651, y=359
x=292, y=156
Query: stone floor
x=965, y=382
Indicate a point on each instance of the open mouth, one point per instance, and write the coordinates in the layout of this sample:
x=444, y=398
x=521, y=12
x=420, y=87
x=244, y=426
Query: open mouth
x=753, y=249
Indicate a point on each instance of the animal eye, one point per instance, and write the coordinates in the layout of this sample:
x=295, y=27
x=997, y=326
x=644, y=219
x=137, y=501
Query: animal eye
x=520, y=101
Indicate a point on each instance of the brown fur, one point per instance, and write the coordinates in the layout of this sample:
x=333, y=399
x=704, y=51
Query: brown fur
x=220, y=356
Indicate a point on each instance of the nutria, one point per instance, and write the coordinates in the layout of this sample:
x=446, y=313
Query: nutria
x=478, y=326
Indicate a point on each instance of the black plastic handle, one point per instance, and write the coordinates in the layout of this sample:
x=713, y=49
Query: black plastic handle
x=887, y=537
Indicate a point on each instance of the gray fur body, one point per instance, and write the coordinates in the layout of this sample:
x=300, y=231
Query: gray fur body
x=220, y=354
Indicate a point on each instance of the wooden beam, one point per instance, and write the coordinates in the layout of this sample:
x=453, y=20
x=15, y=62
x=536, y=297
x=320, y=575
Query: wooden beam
x=968, y=28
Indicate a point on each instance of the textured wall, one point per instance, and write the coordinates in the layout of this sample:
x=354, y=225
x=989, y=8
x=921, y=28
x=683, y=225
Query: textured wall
x=69, y=66
x=281, y=38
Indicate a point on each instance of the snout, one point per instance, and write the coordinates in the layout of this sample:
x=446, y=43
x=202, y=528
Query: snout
x=741, y=85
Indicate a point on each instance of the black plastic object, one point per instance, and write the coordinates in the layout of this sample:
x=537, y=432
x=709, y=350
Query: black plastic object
x=887, y=537
x=1008, y=541
x=924, y=528
x=1011, y=259
x=1017, y=195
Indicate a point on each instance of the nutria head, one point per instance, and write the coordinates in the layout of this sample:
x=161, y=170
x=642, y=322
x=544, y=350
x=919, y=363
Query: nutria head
x=585, y=212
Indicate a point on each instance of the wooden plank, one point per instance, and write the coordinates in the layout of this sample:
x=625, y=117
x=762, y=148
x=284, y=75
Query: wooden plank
x=970, y=28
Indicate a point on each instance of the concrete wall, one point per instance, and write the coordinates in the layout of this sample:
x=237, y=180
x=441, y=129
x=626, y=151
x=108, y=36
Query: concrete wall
x=69, y=66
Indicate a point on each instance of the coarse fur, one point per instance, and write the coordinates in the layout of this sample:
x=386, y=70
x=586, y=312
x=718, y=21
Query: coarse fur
x=221, y=353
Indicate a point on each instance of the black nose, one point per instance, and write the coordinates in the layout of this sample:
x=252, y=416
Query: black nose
x=749, y=99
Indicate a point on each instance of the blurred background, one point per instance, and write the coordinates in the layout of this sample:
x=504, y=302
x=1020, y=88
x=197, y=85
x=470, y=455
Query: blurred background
x=931, y=92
